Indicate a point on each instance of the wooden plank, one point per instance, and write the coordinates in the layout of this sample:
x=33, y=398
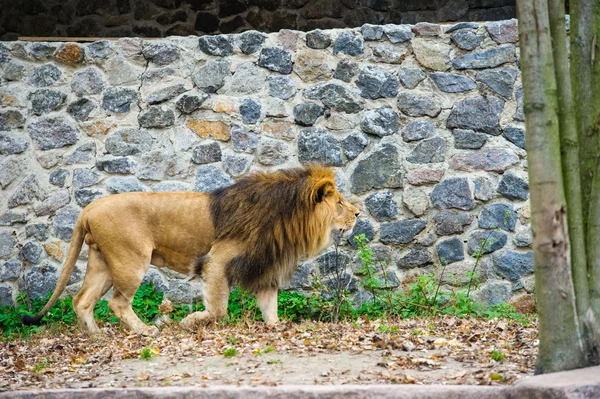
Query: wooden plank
x=73, y=39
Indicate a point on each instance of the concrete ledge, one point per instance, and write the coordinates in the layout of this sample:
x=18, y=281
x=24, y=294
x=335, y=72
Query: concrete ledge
x=582, y=383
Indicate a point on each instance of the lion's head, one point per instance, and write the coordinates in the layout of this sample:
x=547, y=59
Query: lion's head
x=279, y=218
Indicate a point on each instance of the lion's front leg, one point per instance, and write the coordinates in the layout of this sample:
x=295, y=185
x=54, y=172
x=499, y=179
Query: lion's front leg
x=267, y=302
x=216, y=295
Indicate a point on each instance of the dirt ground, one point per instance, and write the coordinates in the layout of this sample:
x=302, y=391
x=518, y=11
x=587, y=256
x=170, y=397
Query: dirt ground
x=444, y=350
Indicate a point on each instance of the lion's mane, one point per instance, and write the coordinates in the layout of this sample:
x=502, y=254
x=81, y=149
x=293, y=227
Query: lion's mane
x=277, y=218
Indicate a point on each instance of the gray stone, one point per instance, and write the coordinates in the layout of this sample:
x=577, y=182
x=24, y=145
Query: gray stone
x=31, y=252
x=382, y=168
x=427, y=29
x=466, y=39
x=485, y=188
x=250, y=110
x=82, y=154
x=316, y=145
x=10, y=218
x=450, y=222
x=302, y=276
x=165, y=93
x=450, y=251
x=128, y=142
x=468, y=139
x=81, y=109
x=11, y=119
x=381, y=205
x=490, y=58
x=87, y=81
x=503, y=31
x=10, y=170
x=283, y=87
x=54, y=202
x=248, y=78
x=354, y=144
x=218, y=45
x=236, y=165
x=83, y=177
x=349, y=43
x=411, y=77
x=318, y=39
x=44, y=75
x=99, y=49
x=519, y=116
x=432, y=54
x=4, y=54
x=483, y=242
x=362, y=297
x=37, y=230
x=335, y=96
x=453, y=192
x=345, y=280
x=8, y=244
x=416, y=103
x=515, y=136
x=210, y=178
x=58, y=177
x=523, y=237
x=452, y=82
x=397, y=33
x=161, y=53
x=462, y=25
x=170, y=186
x=477, y=113
x=416, y=256
x=11, y=270
x=119, y=99
x=490, y=159
x=275, y=59
x=156, y=116
x=211, y=76
x=306, y=114
x=207, y=153
x=153, y=277
x=345, y=70
x=494, y=292
x=331, y=262
x=64, y=222
x=431, y=150
x=85, y=196
x=371, y=32
x=40, y=280
x=243, y=141
x=375, y=83
x=45, y=100
x=380, y=121
x=513, y=187
x=122, y=165
x=513, y=264
x=362, y=226
x=500, y=80
x=498, y=216
x=14, y=71
x=190, y=103
x=41, y=50
x=184, y=292
x=250, y=41
x=118, y=185
x=418, y=130
x=400, y=232
x=273, y=152
x=121, y=72
x=161, y=164
x=28, y=191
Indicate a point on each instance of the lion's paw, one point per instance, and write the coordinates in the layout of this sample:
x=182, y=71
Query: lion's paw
x=192, y=321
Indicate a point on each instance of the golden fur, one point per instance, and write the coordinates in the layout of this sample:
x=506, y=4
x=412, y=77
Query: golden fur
x=251, y=233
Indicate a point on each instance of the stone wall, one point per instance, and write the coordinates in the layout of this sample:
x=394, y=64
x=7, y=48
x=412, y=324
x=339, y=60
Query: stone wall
x=159, y=18
x=423, y=124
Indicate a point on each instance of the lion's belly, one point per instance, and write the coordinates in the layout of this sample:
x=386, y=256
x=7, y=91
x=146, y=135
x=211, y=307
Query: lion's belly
x=181, y=262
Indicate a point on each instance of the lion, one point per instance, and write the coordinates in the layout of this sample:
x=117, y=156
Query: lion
x=252, y=233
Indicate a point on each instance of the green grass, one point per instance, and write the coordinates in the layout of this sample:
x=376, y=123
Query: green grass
x=497, y=355
x=146, y=354
x=230, y=352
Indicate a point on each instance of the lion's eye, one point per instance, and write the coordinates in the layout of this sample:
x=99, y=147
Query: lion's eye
x=340, y=202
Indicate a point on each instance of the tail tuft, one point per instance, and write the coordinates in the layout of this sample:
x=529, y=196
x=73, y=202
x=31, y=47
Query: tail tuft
x=31, y=320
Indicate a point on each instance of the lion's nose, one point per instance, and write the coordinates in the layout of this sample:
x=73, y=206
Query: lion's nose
x=357, y=213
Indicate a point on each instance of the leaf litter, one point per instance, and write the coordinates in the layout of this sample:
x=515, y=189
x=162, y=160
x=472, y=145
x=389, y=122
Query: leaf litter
x=440, y=350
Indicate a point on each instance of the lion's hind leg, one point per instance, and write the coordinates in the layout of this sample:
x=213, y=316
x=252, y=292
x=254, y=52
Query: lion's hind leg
x=97, y=282
x=267, y=302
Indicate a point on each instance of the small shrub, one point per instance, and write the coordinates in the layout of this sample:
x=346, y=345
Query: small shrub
x=146, y=354
x=230, y=352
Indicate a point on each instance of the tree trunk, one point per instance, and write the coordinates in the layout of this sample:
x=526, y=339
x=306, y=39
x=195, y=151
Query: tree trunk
x=561, y=342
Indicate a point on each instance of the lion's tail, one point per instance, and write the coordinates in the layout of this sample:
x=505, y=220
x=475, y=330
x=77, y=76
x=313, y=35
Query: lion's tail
x=69, y=266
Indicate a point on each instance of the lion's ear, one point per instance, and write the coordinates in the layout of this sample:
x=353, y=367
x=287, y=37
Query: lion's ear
x=323, y=189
